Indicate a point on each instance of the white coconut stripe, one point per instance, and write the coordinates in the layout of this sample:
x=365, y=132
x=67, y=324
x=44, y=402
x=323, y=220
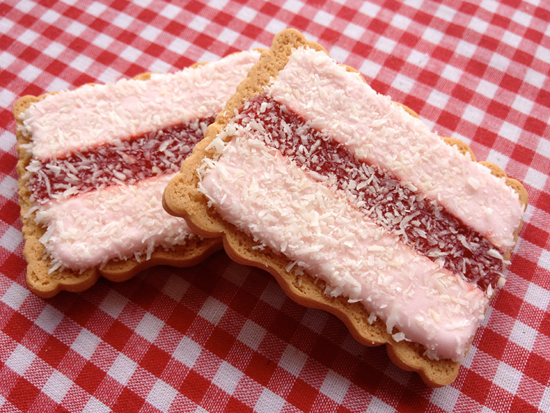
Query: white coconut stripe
x=93, y=115
x=280, y=205
x=115, y=222
x=383, y=133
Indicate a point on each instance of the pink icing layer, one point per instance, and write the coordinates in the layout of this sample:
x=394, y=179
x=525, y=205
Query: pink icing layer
x=339, y=103
x=259, y=191
x=94, y=115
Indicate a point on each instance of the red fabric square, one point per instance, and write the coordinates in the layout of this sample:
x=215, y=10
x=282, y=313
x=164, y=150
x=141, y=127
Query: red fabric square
x=181, y=318
x=194, y=386
x=220, y=342
x=18, y=326
x=535, y=235
x=53, y=351
x=538, y=368
x=234, y=405
x=520, y=405
x=23, y=394
x=492, y=343
x=243, y=302
x=155, y=360
x=476, y=387
x=10, y=211
x=118, y=335
x=411, y=401
x=302, y=395
x=90, y=377
x=260, y=369
x=128, y=401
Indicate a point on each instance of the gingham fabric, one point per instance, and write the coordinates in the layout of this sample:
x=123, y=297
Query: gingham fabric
x=224, y=337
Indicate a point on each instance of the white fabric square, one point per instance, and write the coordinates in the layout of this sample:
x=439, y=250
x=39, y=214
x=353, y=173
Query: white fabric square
x=24, y=6
x=535, y=178
x=445, y=398
x=150, y=33
x=85, y=343
x=534, y=78
x=507, y=377
x=49, y=319
x=445, y=13
x=522, y=18
x=175, y=288
x=57, y=386
x=218, y=4
x=228, y=36
x=14, y=296
x=543, y=54
x=370, y=9
x=29, y=73
x=545, y=401
x=510, y=132
x=451, y=73
x=335, y=386
x=511, y=39
x=227, y=377
x=478, y=25
x=113, y=304
x=323, y=18
x=20, y=359
x=465, y=49
x=149, y=327
x=275, y=26
x=109, y=75
x=208, y=57
x=438, y=99
x=523, y=335
x=103, y=41
x=490, y=5
x=95, y=9
x=213, y=310
x=131, y=54
x=96, y=406
x=75, y=29
x=170, y=11
x=498, y=158
x=544, y=260
x=293, y=6
x=142, y=3
x=179, y=46
x=339, y=54
x=293, y=360
x=161, y=396
x=487, y=89
x=354, y=31
x=544, y=148
x=403, y=83
x=187, y=352
x=537, y=296
x=28, y=37
x=400, y=21
x=467, y=362
x=8, y=187
x=417, y=58
x=199, y=23
x=252, y=334
x=6, y=59
x=123, y=20
x=7, y=139
x=81, y=63
x=273, y=295
x=122, y=369
x=247, y=14
x=269, y=402
x=370, y=69
x=499, y=62
x=54, y=49
x=384, y=44
x=50, y=16
x=158, y=66
x=378, y=406
x=473, y=114
x=523, y=105
x=432, y=35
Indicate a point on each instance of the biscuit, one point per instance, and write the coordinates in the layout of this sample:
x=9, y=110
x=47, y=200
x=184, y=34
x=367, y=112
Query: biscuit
x=90, y=156
x=350, y=202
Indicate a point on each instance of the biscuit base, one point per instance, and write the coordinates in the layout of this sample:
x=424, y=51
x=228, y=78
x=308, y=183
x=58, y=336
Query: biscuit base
x=181, y=198
x=45, y=284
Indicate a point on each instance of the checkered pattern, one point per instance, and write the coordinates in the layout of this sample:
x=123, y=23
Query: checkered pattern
x=224, y=337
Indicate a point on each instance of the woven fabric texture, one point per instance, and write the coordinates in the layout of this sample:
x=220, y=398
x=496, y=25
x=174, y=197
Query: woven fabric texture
x=224, y=337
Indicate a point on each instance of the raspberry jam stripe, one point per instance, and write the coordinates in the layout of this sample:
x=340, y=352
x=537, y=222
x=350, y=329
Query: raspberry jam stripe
x=126, y=162
x=420, y=223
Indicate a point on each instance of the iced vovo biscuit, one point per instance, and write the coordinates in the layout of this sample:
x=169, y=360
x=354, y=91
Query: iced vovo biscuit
x=93, y=165
x=354, y=205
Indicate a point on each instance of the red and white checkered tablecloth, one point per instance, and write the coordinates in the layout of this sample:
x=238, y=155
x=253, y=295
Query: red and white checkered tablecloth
x=224, y=337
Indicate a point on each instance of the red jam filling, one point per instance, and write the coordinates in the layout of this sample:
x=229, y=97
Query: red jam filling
x=419, y=222
x=125, y=162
